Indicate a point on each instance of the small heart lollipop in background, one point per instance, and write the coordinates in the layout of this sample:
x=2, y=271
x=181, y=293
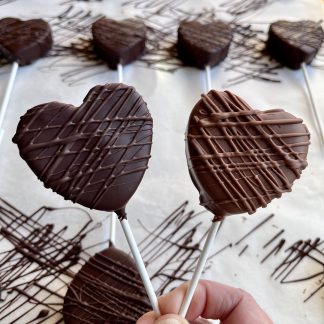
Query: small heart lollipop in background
x=204, y=45
x=295, y=44
x=21, y=43
x=95, y=155
x=107, y=289
x=118, y=43
x=240, y=159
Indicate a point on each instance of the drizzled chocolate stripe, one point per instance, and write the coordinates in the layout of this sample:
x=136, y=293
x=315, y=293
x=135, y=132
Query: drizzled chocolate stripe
x=24, y=41
x=107, y=289
x=95, y=154
x=203, y=44
x=295, y=42
x=119, y=41
x=239, y=158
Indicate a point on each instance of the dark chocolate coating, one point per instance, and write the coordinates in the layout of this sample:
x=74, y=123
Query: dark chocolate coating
x=119, y=42
x=200, y=45
x=95, y=154
x=107, y=289
x=24, y=41
x=240, y=158
x=293, y=43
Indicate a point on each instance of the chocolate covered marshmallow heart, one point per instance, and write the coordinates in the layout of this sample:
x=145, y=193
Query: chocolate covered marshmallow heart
x=203, y=44
x=107, y=289
x=240, y=158
x=293, y=43
x=119, y=42
x=95, y=154
x=24, y=41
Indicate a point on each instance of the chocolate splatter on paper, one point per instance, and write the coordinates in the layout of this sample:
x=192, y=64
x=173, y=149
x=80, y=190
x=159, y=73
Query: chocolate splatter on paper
x=38, y=259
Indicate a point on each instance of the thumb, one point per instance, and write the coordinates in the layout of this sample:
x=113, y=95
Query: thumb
x=171, y=319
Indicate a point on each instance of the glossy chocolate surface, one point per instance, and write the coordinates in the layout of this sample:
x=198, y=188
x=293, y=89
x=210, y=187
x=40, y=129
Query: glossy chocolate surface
x=293, y=43
x=95, y=154
x=107, y=289
x=24, y=41
x=240, y=158
x=119, y=41
x=200, y=45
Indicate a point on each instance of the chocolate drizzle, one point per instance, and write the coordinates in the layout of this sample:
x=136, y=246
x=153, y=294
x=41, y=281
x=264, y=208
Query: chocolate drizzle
x=239, y=158
x=294, y=43
x=203, y=44
x=107, y=289
x=119, y=42
x=96, y=154
x=24, y=41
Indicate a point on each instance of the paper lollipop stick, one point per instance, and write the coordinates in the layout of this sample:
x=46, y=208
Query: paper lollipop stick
x=98, y=160
x=21, y=42
x=140, y=266
x=113, y=217
x=7, y=95
x=231, y=155
x=199, y=268
x=208, y=78
x=313, y=105
x=295, y=44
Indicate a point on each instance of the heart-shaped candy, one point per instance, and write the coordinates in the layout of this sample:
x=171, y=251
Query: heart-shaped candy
x=203, y=44
x=240, y=158
x=119, y=42
x=95, y=154
x=24, y=41
x=107, y=289
x=293, y=43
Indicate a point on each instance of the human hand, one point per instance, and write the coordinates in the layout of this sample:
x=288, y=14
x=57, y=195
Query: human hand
x=211, y=300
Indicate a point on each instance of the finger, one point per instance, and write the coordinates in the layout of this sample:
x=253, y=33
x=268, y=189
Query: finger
x=148, y=318
x=215, y=301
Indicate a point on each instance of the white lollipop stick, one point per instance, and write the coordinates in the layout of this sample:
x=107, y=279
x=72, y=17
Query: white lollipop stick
x=208, y=78
x=199, y=269
x=7, y=95
x=120, y=73
x=313, y=105
x=113, y=217
x=140, y=266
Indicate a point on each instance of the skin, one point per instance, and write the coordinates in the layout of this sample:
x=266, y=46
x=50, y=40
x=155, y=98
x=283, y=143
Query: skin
x=211, y=300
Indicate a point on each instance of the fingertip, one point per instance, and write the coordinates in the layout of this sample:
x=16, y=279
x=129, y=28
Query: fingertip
x=148, y=318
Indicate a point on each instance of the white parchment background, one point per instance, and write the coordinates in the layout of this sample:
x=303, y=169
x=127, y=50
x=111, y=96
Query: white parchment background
x=170, y=97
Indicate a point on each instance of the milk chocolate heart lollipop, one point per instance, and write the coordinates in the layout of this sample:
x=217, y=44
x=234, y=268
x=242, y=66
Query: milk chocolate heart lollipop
x=240, y=158
x=295, y=42
x=203, y=45
x=24, y=41
x=119, y=42
x=107, y=289
x=95, y=154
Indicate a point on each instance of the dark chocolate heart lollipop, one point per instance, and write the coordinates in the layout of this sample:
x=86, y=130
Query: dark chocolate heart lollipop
x=119, y=42
x=203, y=45
x=293, y=43
x=107, y=289
x=24, y=41
x=240, y=158
x=95, y=154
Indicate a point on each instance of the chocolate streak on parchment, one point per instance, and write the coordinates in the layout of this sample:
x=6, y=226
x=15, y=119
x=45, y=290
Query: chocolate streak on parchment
x=37, y=261
x=72, y=39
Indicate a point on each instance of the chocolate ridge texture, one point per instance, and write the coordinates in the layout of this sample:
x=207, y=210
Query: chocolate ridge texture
x=295, y=42
x=200, y=44
x=24, y=41
x=240, y=158
x=119, y=42
x=95, y=154
x=107, y=289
